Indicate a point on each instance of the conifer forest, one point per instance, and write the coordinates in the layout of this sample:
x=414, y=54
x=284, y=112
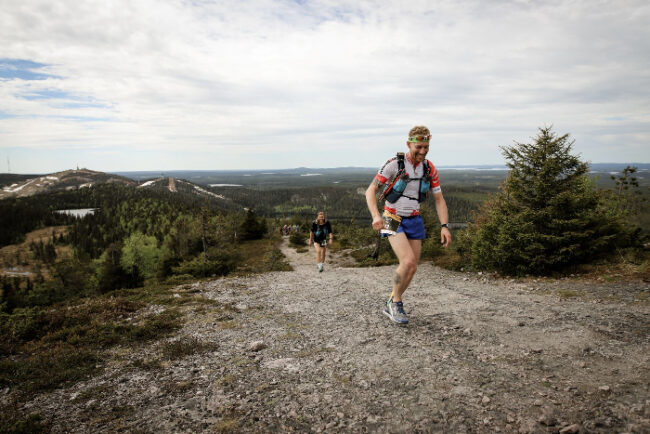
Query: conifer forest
x=547, y=213
x=546, y=197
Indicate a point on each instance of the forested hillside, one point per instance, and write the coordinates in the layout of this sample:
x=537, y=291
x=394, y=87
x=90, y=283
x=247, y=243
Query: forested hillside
x=339, y=202
x=142, y=240
x=167, y=227
x=60, y=181
x=133, y=235
x=21, y=215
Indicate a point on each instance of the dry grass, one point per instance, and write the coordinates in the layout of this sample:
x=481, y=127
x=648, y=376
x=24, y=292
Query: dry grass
x=19, y=254
x=62, y=344
x=260, y=256
x=624, y=266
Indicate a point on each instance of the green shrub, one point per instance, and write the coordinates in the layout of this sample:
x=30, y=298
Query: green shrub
x=297, y=239
x=547, y=217
x=47, y=370
x=219, y=263
x=274, y=260
x=184, y=347
x=14, y=421
x=29, y=324
x=431, y=246
x=252, y=228
x=354, y=235
x=140, y=255
x=110, y=273
x=365, y=257
x=177, y=279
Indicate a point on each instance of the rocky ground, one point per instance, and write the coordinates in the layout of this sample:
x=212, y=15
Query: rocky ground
x=307, y=351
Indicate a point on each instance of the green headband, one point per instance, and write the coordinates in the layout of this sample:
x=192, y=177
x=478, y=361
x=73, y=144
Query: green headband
x=419, y=138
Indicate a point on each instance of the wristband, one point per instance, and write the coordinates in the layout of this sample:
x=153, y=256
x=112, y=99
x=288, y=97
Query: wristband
x=445, y=225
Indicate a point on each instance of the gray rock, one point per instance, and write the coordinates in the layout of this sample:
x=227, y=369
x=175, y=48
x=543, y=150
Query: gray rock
x=191, y=404
x=256, y=346
x=548, y=419
x=571, y=429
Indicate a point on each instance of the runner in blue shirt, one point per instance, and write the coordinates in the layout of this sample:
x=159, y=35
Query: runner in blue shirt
x=318, y=236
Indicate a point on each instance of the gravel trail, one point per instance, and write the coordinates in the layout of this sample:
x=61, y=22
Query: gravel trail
x=310, y=352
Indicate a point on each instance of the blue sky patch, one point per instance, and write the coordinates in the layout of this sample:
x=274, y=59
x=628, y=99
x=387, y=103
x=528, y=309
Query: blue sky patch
x=5, y=115
x=86, y=118
x=79, y=105
x=48, y=94
x=22, y=69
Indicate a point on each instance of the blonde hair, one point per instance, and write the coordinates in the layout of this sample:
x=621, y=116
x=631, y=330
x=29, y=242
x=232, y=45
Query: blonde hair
x=419, y=130
x=318, y=216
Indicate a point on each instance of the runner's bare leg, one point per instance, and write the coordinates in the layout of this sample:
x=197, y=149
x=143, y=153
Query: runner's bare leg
x=320, y=253
x=318, y=249
x=408, y=254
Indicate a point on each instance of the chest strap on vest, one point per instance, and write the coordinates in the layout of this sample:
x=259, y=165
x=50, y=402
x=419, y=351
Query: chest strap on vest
x=392, y=194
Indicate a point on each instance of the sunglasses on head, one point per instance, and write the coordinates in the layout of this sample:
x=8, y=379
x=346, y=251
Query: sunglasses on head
x=414, y=139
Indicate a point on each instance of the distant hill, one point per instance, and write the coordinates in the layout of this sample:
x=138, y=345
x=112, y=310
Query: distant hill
x=14, y=178
x=28, y=185
x=216, y=184
x=618, y=167
x=326, y=175
x=204, y=174
x=268, y=178
x=179, y=186
x=66, y=180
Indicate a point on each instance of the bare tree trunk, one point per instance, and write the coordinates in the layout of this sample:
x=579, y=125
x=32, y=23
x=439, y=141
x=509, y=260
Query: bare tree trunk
x=204, y=229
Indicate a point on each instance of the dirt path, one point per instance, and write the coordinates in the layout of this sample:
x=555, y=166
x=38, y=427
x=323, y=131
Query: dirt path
x=307, y=351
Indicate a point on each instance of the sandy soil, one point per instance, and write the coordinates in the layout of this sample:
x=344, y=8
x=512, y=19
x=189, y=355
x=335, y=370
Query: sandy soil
x=310, y=352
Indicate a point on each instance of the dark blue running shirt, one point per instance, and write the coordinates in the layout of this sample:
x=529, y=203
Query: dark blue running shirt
x=321, y=231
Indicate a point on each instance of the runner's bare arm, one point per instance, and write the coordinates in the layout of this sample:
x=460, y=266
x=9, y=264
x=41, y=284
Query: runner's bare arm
x=443, y=216
x=371, y=201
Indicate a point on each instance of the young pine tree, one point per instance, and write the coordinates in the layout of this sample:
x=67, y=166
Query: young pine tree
x=252, y=228
x=547, y=216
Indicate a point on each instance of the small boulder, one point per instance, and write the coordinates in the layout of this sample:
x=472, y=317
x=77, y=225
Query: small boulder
x=548, y=419
x=257, y=346
x=571, y=429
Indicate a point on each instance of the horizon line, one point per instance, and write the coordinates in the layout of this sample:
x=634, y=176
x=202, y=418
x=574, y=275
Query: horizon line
x=446, y=166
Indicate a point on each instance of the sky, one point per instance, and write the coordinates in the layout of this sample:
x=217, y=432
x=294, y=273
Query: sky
x=120, y=85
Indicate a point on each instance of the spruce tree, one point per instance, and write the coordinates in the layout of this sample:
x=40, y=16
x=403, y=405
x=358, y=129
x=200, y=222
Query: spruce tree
x=547, y=216
x=252, y=228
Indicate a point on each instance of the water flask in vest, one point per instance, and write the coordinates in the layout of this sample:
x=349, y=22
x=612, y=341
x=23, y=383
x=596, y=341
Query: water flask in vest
x=397, y=190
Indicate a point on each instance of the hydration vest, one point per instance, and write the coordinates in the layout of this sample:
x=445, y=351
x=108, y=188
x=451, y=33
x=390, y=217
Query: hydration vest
x=395, y=189
x=321, y=230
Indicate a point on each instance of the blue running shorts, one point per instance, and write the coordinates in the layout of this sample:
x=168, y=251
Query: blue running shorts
x=413, y=227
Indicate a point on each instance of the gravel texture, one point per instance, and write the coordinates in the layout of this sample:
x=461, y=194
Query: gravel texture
x=310, y=352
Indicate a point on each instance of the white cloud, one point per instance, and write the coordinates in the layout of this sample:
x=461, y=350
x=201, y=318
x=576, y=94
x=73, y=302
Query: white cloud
x=262, y=82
